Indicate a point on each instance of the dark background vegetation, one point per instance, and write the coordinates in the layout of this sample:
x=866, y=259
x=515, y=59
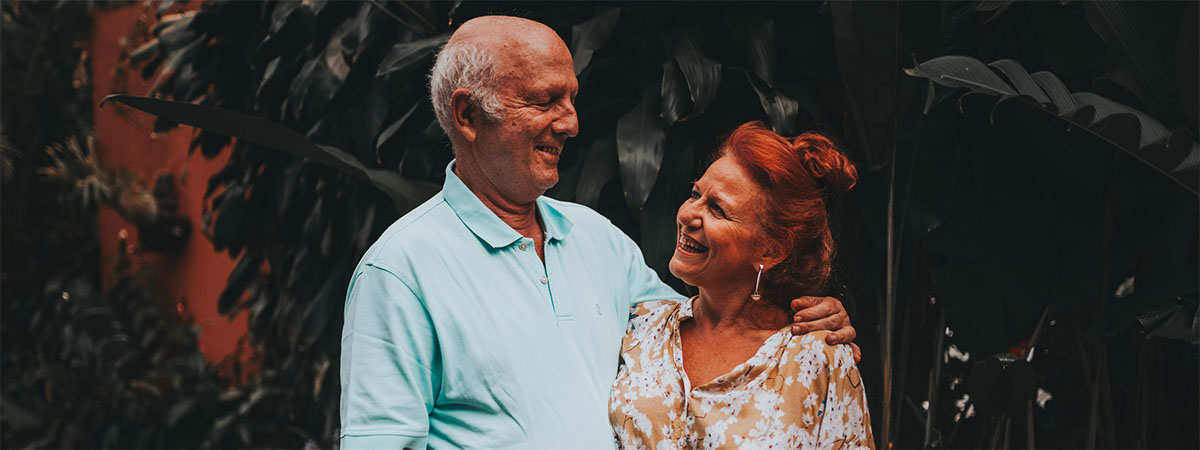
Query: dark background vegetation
x=1019, y=257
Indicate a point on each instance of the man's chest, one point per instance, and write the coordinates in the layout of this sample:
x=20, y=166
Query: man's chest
x=507, y=314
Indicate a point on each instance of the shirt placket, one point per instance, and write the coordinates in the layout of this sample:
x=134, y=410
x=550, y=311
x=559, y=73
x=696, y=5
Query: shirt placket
x=538, y=273
x=563, y=311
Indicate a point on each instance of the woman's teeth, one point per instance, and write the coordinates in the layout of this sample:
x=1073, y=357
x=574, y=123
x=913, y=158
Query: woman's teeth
x=691, y=246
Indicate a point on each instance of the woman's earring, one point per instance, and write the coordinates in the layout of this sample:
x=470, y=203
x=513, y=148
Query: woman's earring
x=755, y=296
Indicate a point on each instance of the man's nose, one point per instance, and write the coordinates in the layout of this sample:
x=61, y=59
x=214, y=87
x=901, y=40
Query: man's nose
x=568, y=123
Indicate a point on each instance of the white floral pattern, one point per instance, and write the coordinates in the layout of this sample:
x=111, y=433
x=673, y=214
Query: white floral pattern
x=795, y=392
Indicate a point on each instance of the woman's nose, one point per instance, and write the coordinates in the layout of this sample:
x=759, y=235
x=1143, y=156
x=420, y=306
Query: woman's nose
x=688, y=215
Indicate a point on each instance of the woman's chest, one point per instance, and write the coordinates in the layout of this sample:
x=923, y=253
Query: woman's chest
x=707, y=356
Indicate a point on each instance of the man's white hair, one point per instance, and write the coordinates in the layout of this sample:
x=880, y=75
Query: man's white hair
x=463, y=65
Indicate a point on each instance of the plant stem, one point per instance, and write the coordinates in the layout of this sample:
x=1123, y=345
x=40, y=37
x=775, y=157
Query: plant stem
x=1029, y=424
x=935, y=377
x=890, y=295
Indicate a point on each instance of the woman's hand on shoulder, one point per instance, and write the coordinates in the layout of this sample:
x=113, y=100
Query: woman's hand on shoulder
x=825, y=313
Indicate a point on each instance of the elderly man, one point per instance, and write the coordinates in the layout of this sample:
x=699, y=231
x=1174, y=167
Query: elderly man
x=491, y=316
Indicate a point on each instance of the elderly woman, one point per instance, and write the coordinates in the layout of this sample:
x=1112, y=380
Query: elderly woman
x=723, y=370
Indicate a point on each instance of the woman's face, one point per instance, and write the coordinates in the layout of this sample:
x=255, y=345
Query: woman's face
x=719, y=237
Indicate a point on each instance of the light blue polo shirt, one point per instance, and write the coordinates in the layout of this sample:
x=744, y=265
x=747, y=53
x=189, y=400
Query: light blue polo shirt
x=456, y=335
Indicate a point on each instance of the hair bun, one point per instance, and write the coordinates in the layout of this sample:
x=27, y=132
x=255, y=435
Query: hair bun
x=832, y=171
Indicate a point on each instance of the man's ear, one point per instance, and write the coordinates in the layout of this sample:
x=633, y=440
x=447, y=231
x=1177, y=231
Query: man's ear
x=464, y=115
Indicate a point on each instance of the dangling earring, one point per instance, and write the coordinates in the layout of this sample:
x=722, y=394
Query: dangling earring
x=755, y=296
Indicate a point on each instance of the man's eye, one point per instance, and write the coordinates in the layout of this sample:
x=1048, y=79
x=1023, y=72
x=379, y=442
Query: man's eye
x=695, y=194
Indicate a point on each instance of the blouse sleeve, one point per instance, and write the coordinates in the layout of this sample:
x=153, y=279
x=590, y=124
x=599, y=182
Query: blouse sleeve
x=844, y=420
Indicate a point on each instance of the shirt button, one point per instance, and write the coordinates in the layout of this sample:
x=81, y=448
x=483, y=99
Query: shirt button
x=523, y=246
x=544, y=280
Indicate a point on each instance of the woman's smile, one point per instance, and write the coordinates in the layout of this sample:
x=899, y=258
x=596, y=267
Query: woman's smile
x=689, y=245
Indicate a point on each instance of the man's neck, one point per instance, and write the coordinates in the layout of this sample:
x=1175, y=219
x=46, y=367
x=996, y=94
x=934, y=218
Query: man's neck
x=519, y=214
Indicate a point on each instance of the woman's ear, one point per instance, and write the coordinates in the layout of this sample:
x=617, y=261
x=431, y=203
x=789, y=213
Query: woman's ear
x=771, y=256
x=464, y=114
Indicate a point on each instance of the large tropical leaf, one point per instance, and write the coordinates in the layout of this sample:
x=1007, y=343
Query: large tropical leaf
x=591, y=35
x=757, y=38
x=864, y=37
x=702, y=74
x=640, y=142
x=405, y=194
x=674, y=101
x=1173, y=153
x=781, y=110
x=601, y=164
x=407, y=55
x=1140, y=38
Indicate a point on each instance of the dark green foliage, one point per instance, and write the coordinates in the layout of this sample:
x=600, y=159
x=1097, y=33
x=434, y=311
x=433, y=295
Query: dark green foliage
x=404, y=194
x=81, y=367
x=116, y=369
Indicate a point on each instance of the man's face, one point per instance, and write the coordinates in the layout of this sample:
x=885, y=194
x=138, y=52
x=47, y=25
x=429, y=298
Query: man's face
x=520, y=149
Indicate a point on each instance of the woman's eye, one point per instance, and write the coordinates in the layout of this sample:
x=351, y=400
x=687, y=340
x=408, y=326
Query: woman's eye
x=718, y=211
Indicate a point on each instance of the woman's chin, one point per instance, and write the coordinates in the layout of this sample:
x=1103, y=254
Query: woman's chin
x=682, y=270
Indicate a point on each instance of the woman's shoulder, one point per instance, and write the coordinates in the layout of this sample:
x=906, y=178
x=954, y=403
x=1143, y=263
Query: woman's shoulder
x=648, y=316
x=656, y=308
x=809, y=354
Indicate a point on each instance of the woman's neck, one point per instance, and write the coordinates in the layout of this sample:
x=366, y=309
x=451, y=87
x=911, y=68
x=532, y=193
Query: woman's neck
x=733, y=309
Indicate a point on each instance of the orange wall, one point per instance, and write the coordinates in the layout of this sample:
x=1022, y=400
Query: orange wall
x=125, y=137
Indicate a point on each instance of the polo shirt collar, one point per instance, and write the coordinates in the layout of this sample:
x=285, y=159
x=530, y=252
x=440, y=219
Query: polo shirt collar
x=486, y=225
x=557, y=225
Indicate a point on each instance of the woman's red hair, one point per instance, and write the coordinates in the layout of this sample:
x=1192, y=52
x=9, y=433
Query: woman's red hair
x=796, y=175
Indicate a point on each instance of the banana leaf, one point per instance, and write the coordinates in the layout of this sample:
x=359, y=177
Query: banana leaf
x=591, y=35
x=408, y=55
x=1140, y=38
x=1170, y=152
x=640, y=145
x=702, y=74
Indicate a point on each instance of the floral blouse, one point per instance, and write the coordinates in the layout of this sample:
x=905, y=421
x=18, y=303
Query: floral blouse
x=795, y=392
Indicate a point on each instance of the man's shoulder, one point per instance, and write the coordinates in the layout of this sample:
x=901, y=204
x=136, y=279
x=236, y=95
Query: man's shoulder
x=585, y=218
x=576, y=211
x=414, y=231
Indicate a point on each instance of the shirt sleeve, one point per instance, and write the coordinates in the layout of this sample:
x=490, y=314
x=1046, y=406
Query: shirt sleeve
x=845, y=421
x=644, y=283
x=390, y=366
